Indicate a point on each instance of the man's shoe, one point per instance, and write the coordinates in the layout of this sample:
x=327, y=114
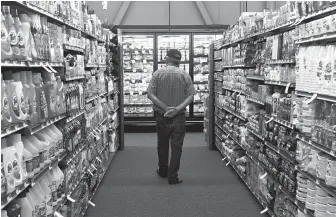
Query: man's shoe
x=160, y=174
x=175, y=181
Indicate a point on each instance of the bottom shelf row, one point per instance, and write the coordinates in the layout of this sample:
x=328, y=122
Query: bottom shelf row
x=62, y=193
x=275, y=198
x=80, y=200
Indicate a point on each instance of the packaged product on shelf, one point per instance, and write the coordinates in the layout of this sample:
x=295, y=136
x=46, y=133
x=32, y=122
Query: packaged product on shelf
x=12, y=32
x=55, y=43
x=13, y=89
x=11, y=166
x=6, y=49
x=20, y=37
x=41, y=100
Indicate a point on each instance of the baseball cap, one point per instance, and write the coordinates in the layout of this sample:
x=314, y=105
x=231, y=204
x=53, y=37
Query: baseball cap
x=174, y=53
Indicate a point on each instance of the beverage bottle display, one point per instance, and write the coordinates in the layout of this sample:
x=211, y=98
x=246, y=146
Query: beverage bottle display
x=12, y=97
x=6, y=118
x=51, y=87
x=12, y=33
x=20, y=37
x=9, y=157
x=20, y=95
x=41, y=101
x=34, y=155
x=15, y=140
x=6, y=49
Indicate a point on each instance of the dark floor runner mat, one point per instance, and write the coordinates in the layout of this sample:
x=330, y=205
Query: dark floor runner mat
x=132, y=188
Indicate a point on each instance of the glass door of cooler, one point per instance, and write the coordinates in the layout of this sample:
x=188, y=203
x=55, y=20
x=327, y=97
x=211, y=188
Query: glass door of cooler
x=201, y=49
x=180, y=42
x=138, y=66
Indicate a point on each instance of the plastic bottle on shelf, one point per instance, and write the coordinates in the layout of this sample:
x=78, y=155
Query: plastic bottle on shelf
x=29, y=162
x=28, y=37
x=60, y=136
x=12, y=97
x=41, y=101
x=20, y=37
x=41, y=198
x=21, y=171
x=34, y=202
x=35, y=155
x=81, y=96
x=61, y=96
x=4, y=213
x=27, y=210
x=55, y=138
x=9, y=157
x=22, y=75
x=6, y=49
x=58, y=176
x=6, y=118
x=3, y=178
x=50, y=86
x=43, y=137
x=61, y=182
x=12, y=33
x=20, y=95
x=43, y=148
x=32, y=98
x=52, y=185
x=44, y=183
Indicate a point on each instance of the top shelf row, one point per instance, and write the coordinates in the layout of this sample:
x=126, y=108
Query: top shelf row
x=29, y=6
x=287, y=26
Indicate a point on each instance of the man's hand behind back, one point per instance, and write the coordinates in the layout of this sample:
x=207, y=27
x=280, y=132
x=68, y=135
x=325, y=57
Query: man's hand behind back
x=170, y=112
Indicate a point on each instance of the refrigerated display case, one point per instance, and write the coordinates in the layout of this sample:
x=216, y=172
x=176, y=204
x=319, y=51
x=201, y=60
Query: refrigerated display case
x=138, y=63
x=200, y=72
x=144, y=53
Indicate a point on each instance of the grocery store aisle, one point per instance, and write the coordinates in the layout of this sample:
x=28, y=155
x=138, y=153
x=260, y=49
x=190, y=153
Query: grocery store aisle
x=131, y=187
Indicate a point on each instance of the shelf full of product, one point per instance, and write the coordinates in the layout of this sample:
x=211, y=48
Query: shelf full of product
x=273, y=84
x=60, y=125
x=141, y=59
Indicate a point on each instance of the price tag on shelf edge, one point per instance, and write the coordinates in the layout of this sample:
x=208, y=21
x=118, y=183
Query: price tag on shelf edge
x=92, y=204
x=46, y=68
x=312, y=98
x=51, y=68
x=287, y=87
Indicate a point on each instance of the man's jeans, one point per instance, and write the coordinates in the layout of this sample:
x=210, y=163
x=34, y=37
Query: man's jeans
x=173, y=130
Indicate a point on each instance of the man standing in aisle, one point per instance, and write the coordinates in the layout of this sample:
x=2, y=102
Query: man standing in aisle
x=171, y=91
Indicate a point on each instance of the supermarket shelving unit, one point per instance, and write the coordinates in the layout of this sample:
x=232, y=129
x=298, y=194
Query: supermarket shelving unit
x=192, y=116
x=216, y=111
x=65, y=157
